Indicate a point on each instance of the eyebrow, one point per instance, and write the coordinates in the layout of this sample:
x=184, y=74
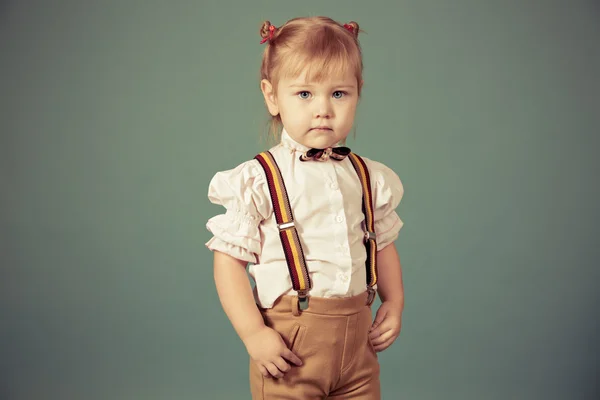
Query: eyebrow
x=341, y=85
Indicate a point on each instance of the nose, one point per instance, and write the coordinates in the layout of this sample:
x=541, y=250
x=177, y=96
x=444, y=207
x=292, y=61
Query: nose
x=323, y=108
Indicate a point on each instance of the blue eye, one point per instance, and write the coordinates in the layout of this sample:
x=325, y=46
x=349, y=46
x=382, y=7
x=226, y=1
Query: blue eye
x=304, y=94
x=338, y=94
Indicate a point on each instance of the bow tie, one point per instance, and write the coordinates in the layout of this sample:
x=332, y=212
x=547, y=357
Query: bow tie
x=336, y=153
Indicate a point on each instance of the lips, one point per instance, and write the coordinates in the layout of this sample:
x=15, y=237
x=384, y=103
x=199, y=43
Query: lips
x=322, y=128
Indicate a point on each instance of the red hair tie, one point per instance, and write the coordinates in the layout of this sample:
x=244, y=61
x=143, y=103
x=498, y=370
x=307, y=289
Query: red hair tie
x=349, y=27
x=271, y=32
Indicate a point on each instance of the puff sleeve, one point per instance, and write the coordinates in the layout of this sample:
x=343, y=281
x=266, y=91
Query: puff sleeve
x=243, y=191
x=387, y=193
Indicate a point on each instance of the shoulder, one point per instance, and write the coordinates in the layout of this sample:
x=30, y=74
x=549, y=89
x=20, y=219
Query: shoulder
x=243, y=178
x=383, y=176
x=247, y=170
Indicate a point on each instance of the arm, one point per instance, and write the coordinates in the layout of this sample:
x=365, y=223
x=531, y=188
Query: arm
x=235, y=294
x=265, y=346
x=389, y=283
x=390, y=287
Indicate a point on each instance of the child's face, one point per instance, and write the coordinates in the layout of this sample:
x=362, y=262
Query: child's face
x=315, y=114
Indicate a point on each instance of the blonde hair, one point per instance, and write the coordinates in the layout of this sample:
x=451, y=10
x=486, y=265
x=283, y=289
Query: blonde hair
x=321, y=44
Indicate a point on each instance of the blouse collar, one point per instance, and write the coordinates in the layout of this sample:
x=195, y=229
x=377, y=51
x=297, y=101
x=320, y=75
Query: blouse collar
x=287, y=141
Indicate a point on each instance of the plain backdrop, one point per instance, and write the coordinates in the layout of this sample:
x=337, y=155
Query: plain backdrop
x=115, y=114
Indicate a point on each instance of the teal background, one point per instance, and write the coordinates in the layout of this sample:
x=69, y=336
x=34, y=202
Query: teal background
x=114, y=116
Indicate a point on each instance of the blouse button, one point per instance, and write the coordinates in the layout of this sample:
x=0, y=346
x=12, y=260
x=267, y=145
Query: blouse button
x=334, y=186
x=339, y=218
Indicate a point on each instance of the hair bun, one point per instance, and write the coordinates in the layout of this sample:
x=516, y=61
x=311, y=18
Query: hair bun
x=264, y=30
x=352, y=26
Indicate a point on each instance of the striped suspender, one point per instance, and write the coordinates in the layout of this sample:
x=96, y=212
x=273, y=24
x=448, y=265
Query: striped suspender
x=370, y=236
x=289, y=235
x=287, y=229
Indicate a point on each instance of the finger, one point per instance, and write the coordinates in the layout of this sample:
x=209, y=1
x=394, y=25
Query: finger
x=263, y=371
x=376, y=323
x=290, y=356
x=384, y=345
x=282, y=365
x=379, y=318
x=380, y=330
x=384, y=337
x=274, y=371
x=375, y=333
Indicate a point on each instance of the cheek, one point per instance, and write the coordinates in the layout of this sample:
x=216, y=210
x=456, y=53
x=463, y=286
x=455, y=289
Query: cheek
x=293, y=118
x=295, y=112
x=348, y=111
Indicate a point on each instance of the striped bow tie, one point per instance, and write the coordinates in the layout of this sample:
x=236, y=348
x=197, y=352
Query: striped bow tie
x=336, y=153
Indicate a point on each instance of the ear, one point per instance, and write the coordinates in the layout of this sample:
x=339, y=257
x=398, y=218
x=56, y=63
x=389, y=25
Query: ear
x=360, y=85
x=270, y=98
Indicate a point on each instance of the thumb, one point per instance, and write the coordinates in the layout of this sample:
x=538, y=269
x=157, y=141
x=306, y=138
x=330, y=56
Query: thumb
x=379, y=317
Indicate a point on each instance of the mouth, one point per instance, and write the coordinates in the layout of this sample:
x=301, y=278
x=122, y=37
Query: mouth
x=321, y=128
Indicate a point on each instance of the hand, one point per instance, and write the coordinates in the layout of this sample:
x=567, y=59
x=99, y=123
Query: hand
x=268, y=350
x=387, y=325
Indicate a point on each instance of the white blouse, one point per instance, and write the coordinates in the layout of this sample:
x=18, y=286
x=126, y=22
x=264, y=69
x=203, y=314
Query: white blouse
x=326, y=200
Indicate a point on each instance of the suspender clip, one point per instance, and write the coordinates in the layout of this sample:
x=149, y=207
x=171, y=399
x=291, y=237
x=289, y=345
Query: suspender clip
x=302, y=300
x=370, y=235
x=286, y=225
x=371, y=295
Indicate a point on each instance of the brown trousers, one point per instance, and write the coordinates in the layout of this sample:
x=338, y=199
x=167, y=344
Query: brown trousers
x=331, y=339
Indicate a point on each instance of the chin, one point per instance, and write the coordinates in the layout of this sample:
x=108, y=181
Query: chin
x=324, y=136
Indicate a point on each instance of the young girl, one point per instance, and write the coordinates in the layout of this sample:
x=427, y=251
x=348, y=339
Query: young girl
x=317, y=223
